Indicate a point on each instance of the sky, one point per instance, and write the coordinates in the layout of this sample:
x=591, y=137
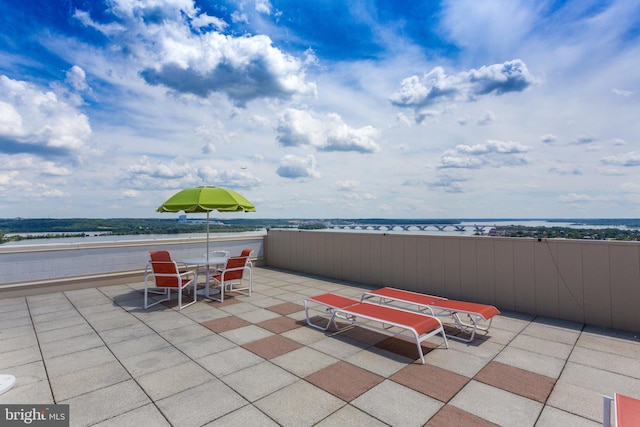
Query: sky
x=322, y=108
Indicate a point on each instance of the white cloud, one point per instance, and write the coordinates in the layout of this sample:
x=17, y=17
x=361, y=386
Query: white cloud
x=549, y=139
x=575, y=197
x=347, y=185
x=171, y=54
x=37, y=121
x=327, y=133
x=294, y=167
x=77, y=79
x=628, y=159
x=565, y=170
x=622, y=92
x=493, y=153
x=435, y=91
x=263, y=6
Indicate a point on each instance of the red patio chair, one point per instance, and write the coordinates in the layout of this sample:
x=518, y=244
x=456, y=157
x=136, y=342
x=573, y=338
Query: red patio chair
x=230, y=278
x=166, y=275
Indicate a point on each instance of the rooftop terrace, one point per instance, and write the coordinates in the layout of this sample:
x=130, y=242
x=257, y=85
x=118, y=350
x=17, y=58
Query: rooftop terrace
x=253, y=361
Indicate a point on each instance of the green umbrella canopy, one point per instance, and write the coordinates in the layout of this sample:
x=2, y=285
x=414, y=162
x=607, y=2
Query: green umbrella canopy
x=206, y=199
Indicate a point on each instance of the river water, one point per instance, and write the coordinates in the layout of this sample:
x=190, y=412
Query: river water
x=450, y=230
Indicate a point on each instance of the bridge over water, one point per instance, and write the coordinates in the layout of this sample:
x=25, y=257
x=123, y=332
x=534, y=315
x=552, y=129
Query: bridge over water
x=406, y=227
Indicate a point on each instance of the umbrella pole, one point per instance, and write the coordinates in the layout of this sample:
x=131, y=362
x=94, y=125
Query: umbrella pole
x=207, y=237
x=206, y=284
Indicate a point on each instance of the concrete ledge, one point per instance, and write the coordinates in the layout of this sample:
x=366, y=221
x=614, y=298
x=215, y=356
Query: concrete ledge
x=22, y=289
x=60, y=284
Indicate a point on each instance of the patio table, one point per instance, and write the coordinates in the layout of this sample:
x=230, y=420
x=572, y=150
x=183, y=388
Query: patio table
x=214, y=261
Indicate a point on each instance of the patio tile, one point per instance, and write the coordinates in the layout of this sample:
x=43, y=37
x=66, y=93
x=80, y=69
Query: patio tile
x=134, y=346
x=80, y=360
x=144, y=415
x=304, y=335
x=462, y=363
x=344, y=380
x=397, y=405
x=246, y=416
x=105, y=403
x=279, y=324
x=228, y=361
x=246, y=334
x=28, y=373
x=115, y=322
x=404, y=347
x=201, y=404
x=577, y=400
x=39, y=391
x=16, y=343
x=17, y=331
x=70, y=345
x=125, y=333
x=224, y=324
x=490, y=402
x=15, y=322
x=607, y=340
x=306, y=405
x=286, y=308
x=603, y=360
x=534, y=362
x=162, y=358
x=431, y=380
x=65, y=333
x=599, y=380
x=450, y=416
x=552, y=417
x=350, y=416
x=86, y=380
x=304, y=361
x=170, y=321
x=166, y=382
x=540, y=345
x=379, y=361
x=515, y=380
x=335, y=347
x=59, y=320
x=272, y=346
x=257, y=316
x=259, y=380
x=186, y=333
x=204, y=346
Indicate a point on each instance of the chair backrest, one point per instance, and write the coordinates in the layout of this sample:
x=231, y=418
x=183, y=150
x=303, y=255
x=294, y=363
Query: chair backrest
x=161, y=263
x=235, y=262
x=246, y=252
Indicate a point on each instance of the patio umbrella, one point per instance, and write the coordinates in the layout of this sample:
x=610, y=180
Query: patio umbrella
x=206, y=199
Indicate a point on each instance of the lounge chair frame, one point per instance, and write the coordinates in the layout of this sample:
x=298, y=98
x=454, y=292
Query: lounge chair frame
x=626, y=410
x=357, y=313
x=440, y=307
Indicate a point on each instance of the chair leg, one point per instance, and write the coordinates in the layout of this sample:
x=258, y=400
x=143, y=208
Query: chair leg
x=606, y=412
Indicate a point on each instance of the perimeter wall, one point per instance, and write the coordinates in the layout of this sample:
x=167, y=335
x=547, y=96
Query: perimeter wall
x=592, y=282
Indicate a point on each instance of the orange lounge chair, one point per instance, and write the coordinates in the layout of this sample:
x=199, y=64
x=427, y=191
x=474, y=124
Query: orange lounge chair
x=626, y=411
x=418, y=326
x=437, y=306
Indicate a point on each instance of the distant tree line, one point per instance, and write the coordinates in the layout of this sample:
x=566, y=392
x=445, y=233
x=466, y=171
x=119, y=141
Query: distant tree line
x=570, y=233
x=76, y=227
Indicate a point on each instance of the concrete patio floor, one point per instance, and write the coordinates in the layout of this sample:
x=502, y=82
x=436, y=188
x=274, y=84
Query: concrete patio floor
x=254, y=361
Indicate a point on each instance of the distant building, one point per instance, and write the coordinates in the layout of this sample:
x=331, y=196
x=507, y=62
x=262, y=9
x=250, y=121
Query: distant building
x=184, y=219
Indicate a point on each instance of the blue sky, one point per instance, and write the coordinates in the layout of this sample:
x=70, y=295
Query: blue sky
x=322, y=109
